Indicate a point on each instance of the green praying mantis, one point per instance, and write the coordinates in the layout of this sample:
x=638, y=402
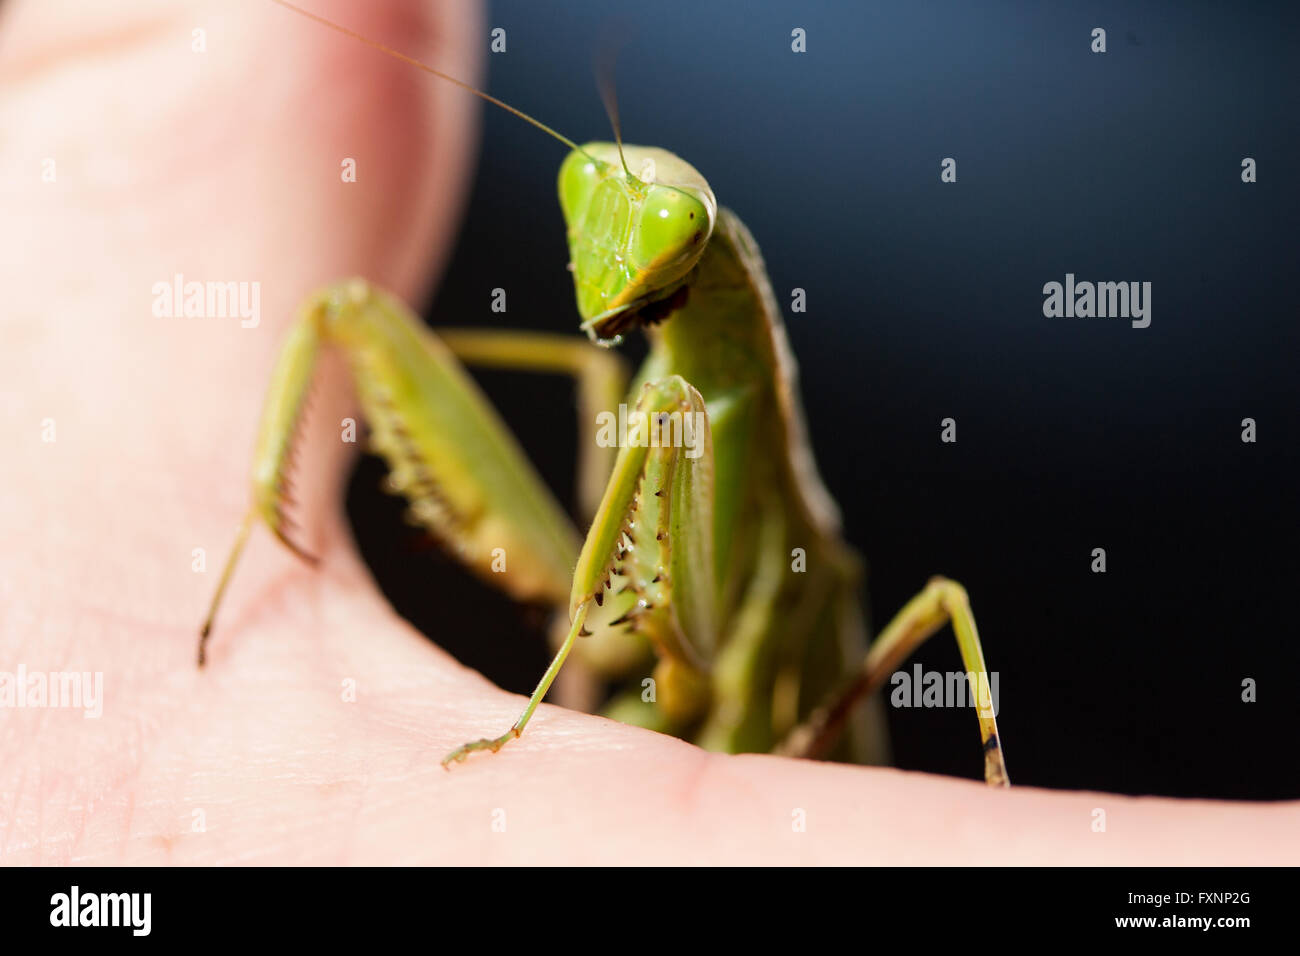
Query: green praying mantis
x=714, y=561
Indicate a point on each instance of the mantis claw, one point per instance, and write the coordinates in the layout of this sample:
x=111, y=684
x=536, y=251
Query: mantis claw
x=496, y=743
x=493, y=744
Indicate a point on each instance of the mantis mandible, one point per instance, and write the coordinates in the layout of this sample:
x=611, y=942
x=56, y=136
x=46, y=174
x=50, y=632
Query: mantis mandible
x=714, y=558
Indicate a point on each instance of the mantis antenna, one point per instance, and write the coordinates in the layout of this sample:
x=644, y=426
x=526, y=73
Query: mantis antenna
x=609, y=95
x=389, y=51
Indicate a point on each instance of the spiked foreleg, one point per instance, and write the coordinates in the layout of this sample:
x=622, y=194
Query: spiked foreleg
x=650, y=550
x=448, y=452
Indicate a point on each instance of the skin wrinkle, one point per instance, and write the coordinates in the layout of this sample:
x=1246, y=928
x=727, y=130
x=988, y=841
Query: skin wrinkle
x=78, y=51
x=689, y=796
x=127, y=782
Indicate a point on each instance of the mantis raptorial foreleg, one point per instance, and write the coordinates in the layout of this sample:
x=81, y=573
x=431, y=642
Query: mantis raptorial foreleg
x=281, y=412
x=601, y=377
x=942, y=601
x=448, y=452
x=496, y=743
x=653, y=534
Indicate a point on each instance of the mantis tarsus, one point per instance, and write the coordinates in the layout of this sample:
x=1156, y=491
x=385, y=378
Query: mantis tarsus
x=714, y=557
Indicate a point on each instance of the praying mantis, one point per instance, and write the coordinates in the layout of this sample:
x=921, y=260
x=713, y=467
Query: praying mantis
x=712, y=585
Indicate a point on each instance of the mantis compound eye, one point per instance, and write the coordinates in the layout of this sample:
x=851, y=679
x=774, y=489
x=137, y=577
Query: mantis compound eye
x=673, y=227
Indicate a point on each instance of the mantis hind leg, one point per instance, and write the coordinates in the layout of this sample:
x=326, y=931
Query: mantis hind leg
x=837, y=645
x=942, y=601
x=788, y=646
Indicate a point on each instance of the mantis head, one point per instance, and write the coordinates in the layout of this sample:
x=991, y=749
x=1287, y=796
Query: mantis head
x=637, y=224
x=639, y=218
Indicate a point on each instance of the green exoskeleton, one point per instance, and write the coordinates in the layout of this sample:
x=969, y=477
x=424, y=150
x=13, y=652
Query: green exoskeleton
x=713, y=564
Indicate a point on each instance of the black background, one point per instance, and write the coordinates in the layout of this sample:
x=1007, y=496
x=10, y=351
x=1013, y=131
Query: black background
x=925, y=301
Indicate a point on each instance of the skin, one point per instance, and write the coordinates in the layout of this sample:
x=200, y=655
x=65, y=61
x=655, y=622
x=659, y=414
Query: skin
x=235, y=177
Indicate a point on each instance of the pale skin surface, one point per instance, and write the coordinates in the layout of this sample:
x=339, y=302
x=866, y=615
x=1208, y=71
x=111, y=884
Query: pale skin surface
x=225, y=165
